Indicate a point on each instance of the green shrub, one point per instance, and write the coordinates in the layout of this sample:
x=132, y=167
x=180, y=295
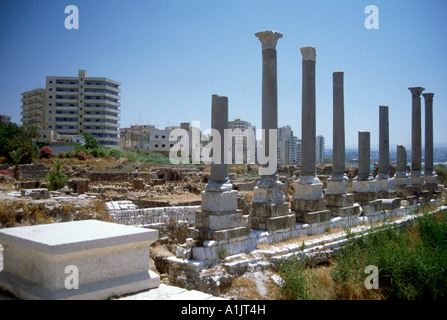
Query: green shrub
x=57, y=179
x=295, y=285
x=412, y=260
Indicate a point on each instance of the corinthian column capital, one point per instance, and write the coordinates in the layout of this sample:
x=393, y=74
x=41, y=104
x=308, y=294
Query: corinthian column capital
x=416, y=91
x=428, y=96
x=268, y=38
x=309, y=54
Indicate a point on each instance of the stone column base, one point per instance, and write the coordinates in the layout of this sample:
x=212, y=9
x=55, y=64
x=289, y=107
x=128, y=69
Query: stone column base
x=390, y=204
x=313, y=217
x=362, y=197
x=363, y=186
x=387, y=194
x=308, y=188
x=307, y=205
x=220, y=201
x=218, y=235
x=339, y=200
x=384, y=185
x=345, y=211
x=271, y=217
x=218, y=225
x=404, y=191
x=334, y=186
x=432, y=186
x=371, y=206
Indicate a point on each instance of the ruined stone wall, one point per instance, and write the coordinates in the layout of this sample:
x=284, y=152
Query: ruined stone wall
x=149, y=216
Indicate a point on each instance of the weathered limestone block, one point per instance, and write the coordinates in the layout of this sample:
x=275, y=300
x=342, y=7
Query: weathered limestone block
x=110, y=259
x=266, y=210
x=36, y=194
x=138, y=184
x=339, y=200
x=336, y=186
x=314, y=217
x=218, y=220
x=225, y=201
x=387, y=194
x=365, y=196
x=273, y=223
x=79, y=186
x=390, y=204
x=364, y=186
x=307, y=205
x=345, y=211
x=371, y=206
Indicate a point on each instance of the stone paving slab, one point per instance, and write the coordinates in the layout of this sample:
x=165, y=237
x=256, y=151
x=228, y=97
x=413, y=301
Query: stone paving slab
x=166, y=292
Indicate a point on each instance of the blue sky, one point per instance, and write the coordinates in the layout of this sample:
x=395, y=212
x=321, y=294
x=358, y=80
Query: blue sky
x=171, y=56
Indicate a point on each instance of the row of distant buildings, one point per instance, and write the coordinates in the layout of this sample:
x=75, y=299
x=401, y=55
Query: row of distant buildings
x=69, y=106
x=149, y=138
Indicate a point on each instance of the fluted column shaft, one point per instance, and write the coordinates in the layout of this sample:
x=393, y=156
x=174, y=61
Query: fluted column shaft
x=428, y=169
x=384, y=146
x=308, y=118
x=338, y=167
x=416, y=148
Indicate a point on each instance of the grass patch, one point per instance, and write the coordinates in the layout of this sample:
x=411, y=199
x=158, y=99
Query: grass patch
x=411, y=260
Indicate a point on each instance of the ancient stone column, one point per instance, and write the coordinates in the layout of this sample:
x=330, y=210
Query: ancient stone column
x=428, y=169
x=268, y=40
x=308, y=202
x=219, y=122
x=430, y=176
x=416, y=149
x=308, y=113
x=364, y=185
x=384, y=184
x=364, y=149
x=401, y=177
x=269, y=211
x=338, y=182
x=219, y=218
x=336, y=197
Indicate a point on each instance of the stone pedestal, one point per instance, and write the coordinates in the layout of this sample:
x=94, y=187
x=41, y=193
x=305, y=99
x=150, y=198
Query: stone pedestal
x=219, y=218
x=102, y=259
x=385, y=188
x=269, y=211
x=79, y=186
x=308, y=201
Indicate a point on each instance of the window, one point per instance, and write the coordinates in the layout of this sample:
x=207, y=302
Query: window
x=163, y=145
x=156, y=146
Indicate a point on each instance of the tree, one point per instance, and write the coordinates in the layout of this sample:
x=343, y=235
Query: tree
x=16, y=156
x=90, y=141
x=13, y=137
x=57, y=179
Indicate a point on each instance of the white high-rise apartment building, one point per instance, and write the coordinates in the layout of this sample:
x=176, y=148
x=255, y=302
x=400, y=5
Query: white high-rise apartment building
x=289, y=147
x=77, y=105
x=241, y=140
x=319, y=149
